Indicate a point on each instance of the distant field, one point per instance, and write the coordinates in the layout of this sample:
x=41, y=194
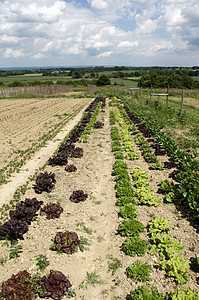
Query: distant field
x=27, y=124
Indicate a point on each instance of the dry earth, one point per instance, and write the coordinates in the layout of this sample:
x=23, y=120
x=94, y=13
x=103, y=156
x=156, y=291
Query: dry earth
x=100, y=215
x=27, y=123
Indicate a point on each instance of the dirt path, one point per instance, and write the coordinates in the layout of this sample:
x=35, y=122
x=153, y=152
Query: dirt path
x=38, y=160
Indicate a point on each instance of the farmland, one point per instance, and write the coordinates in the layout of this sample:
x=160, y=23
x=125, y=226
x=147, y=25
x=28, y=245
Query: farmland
x=98, y=271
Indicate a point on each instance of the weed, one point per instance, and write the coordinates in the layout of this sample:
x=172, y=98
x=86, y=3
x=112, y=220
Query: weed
x=97, y=202
x=83, y=242
x=100, y=238
x=113, y=264
x=84, y=228
x=91, y=279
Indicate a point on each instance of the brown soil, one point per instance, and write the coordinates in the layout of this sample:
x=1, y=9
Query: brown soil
x=100, y=215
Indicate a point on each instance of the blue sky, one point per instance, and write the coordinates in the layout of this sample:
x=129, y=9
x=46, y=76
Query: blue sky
x=99, y=32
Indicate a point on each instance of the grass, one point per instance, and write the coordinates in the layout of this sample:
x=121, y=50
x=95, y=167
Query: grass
x=168, y=118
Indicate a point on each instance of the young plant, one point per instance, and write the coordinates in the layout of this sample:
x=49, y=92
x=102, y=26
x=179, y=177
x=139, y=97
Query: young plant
x=91, y=279
x=130, y=228
x=65, y=242
x=52, y=210
x=128, y=210
x=139, y=271
x=15, y=249
x=176, y=267
x=146, y=293
x=44, y=182
x=134, y=246
x=39, y=263
x=78, y=196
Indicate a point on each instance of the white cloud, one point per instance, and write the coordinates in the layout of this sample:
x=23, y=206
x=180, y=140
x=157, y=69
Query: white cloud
x=128, y=44
x=10, y=53
x=98, y=4
x=104, y=54
x=112, y=29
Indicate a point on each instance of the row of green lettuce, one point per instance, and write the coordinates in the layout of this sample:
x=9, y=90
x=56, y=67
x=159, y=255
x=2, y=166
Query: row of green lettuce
x=161, y=242
x=187, y=180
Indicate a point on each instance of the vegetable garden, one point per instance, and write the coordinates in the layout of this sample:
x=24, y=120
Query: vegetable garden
x=111, y=215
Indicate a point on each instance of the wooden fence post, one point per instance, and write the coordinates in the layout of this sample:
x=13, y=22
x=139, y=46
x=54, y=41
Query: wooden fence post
x=181, y=104
x=167, y=96
x=150, y=96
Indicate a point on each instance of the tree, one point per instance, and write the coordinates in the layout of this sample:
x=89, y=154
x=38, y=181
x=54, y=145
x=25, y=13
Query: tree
x=103, y=80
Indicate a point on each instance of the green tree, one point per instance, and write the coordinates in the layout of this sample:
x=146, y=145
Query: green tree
x=103, y=80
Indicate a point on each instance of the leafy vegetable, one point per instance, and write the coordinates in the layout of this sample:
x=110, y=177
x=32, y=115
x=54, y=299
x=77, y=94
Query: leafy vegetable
x=65, y=242
x=98, y=124
x=124, y=200
x=165, y=246
x=44, y=182
x=146, y=293
x=60, y=159
x=176, y=267
x=135, y=246
x=55, y=285
x=158, y=225
x=77, y=152
x=70, y=168
x=182, y=294
x=130, y=228
x=26, y=210
x=128, y=211
x=13, y=230
x=78, y=196
x=52, y=210
x=18, y=287
x=145, y=196
x=139, y=271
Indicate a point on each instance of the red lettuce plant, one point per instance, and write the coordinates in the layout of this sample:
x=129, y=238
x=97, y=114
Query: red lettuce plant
x=65, y=242
x=44, y=182
x=55, y=285
x=26, y=210
x=98, y=124
x=52, y=210
x=60, y=159
x=13, y=230
x=70, y=168
x=18, y=287
x=78, y=196
x=77, y=152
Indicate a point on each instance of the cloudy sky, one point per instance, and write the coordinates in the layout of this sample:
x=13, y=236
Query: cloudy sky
x=99, y=32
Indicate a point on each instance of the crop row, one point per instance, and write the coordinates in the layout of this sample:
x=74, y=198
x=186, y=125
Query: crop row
x=24, y=285
x=161, y=243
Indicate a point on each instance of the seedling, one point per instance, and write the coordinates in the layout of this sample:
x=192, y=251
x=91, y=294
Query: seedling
x=15, y=249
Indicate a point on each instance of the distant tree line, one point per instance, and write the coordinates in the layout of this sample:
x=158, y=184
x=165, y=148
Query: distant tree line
x=173, y=81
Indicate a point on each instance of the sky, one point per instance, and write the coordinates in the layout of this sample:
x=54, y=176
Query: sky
x=47, y=33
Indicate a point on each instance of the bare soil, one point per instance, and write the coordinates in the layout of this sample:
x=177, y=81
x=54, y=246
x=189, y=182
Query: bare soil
x=100, y=215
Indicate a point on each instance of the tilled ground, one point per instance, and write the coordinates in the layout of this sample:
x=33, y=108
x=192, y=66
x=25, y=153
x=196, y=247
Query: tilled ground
x=97, y=220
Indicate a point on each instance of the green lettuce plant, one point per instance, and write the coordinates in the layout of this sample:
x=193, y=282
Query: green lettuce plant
x=139, y=271
x=135, y=246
